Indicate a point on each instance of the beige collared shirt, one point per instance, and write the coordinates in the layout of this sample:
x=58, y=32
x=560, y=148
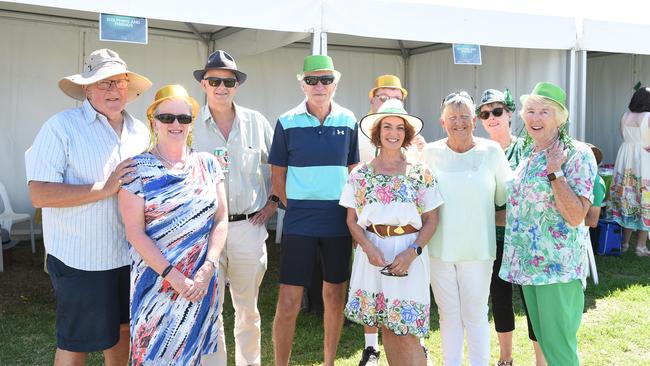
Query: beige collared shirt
x=247, y=181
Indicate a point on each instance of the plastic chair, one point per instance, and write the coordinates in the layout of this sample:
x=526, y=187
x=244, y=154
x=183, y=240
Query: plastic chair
x=8, y=217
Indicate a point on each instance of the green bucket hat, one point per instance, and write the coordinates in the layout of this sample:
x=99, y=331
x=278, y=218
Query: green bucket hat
x=318, y=63
x=496, y=96
x=548, y=91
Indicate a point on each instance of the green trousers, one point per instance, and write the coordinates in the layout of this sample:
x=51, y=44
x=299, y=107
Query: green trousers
x=555, y=312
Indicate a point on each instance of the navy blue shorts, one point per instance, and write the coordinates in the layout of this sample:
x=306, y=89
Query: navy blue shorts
x=299, y=254
x=90, y=306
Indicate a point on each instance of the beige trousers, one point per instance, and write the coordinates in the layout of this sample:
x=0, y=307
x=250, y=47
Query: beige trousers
x=242, y=264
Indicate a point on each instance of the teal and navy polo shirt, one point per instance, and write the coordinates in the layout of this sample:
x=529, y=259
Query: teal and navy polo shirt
x=317, y=158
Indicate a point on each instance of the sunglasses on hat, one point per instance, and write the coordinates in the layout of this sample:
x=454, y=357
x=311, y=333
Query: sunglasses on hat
x=168, y=118
x=497, y=112
x=462, y=94
x=387, y=272
x=215, y=82
x=313, y=80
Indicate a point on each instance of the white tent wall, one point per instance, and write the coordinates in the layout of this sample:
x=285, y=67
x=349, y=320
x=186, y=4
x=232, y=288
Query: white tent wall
x=434, y=76
x=611, y=79
x=273, y=89
x=29, y=94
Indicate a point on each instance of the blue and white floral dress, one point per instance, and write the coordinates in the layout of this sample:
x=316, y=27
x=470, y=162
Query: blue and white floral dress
x=400, y=304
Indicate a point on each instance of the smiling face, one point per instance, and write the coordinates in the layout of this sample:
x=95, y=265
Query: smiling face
x=172, y=133
x=496, y=126
x=319, y=94
x=110, y=102
x=458, y=121
x=219, y=95
x=542, y=120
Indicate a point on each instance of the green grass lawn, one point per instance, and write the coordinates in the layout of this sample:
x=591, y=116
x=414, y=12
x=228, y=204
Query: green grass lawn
x=615, y=328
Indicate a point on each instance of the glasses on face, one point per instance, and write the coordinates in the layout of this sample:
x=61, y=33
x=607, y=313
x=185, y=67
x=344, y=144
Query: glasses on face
x=384, y=98
x=386, y=272
x=462, y=94
x=313, y=80
x=227, y=82
x=106, y=84
x=497, y=112
x=168, y=118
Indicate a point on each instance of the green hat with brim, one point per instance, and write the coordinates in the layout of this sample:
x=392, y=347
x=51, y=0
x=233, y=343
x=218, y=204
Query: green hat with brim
x=391, y=107
x=548, y=91
x=318, y=63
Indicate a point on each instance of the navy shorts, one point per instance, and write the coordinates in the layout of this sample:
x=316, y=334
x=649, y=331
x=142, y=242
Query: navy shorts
x=299, y=254
x=90, y=306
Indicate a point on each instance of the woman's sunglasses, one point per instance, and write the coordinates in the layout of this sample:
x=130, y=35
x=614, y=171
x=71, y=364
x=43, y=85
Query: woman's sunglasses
x=497, y=112
x=462, y=94
x=168, y=118
x=387, y=272
x=313, y=80
x=227, y=82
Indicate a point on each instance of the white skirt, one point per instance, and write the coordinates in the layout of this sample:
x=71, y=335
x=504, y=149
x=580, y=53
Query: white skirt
x=400, y=304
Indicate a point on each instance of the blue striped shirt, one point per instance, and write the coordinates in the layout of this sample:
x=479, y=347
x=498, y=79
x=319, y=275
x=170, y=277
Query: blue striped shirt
x=317, y=158
x=79, y=146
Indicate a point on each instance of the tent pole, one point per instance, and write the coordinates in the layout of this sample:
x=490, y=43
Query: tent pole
x=571, y=91
x=582, y=104
x=319, y=42
x=407, y=72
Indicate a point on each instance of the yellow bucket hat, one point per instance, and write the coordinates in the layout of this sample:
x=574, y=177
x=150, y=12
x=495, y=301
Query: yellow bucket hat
x=388, y=81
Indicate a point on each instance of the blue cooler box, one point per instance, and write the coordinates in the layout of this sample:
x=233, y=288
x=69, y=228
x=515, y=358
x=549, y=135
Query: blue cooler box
x=610, y=237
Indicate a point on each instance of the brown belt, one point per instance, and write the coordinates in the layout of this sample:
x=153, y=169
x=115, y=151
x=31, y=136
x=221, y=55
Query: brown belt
x=388, y=230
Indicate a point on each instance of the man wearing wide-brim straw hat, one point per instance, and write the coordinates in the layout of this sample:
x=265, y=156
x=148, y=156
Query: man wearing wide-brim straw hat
x=75, y=167
x=314, y=145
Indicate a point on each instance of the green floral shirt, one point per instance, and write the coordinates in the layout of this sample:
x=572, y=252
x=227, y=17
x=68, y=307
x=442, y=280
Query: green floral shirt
x=540, y=247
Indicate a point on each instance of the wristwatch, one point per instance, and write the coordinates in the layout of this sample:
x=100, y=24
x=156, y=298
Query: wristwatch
x=418, y=249
x=273, y=198
x=555, y=175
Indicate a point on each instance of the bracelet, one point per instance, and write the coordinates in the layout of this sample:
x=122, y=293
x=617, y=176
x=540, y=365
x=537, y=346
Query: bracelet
x=212, y=262
x=166, y=271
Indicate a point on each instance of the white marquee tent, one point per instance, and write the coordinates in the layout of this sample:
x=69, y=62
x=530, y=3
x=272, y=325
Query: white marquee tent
x=522, y=44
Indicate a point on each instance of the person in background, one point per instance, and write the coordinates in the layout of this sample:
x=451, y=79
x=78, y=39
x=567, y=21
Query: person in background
x=241, y=138
x=315, y=145
x=175, y=215
x=75, y=167
x=472, y=174
x=392, y=213
x=629, y=200
x=546, y=241
x=599, y=192
x=495, y=111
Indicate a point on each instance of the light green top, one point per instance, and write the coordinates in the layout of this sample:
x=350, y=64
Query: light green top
x=471, y=184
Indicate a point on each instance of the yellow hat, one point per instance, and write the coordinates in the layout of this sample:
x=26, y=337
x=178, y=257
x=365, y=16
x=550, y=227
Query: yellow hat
x=388, y=81
x=169, y=92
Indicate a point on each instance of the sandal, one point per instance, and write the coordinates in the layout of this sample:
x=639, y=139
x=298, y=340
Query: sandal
x=625, y=247
x=642, y=251
x=505, y=363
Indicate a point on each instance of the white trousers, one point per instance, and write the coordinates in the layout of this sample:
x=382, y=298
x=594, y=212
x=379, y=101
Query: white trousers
x=242, y=264
x=461, y=291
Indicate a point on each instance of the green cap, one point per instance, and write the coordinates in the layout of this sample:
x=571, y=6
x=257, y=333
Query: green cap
x=548, y=91
x=318, y=63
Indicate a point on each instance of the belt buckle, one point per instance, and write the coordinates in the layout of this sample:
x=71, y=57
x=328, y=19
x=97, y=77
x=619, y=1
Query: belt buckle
x=399, y=230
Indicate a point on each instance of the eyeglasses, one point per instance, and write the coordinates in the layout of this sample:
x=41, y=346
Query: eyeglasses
x=384, y=98
x=462, y=94
x=227, y=82
x=386, y=272
x=106, y=84
x=313, y=80
x=497, y=112
x=168, y=118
